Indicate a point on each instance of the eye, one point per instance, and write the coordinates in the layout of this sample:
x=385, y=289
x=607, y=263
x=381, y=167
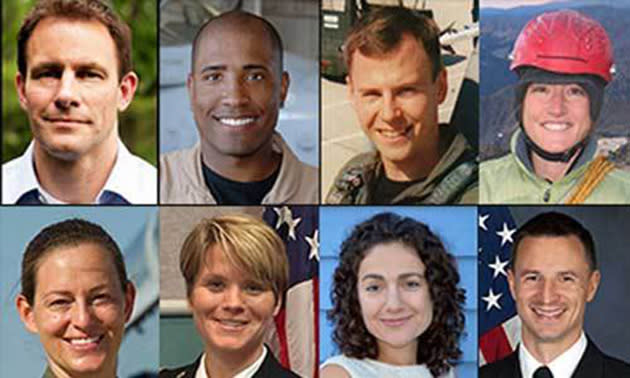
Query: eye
x=373, y=288
x=255, y=76
x=254, y=288
x=412, y=284
x=211, y=76
x=407, y=91
x=567, y=278
x=530, y=278
x=89, y=74
x=59, y=304
x=101, y=298
x=576, y=91
x=47, y=74
x=215, y=286
x=539, y=88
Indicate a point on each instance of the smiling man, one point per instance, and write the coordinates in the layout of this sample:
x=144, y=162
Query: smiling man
x=74, y=76
x=564, y=60
x=396, y=81
x=553, y=275
x=236, y=87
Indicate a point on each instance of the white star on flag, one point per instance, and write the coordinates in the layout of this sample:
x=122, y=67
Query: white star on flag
x=314, y=243
x=506, y=234
x=498, y=266
x=492, y=300
x=482, y=221
x=286, y=216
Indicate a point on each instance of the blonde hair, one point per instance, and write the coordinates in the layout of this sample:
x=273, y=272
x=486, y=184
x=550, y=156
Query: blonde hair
x=247, y=243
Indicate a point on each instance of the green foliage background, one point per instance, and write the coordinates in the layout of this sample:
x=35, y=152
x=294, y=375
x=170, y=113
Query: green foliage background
x=137, y=124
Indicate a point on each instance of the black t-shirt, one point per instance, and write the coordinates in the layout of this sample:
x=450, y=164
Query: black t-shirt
x=229, y=192
x=383, y=190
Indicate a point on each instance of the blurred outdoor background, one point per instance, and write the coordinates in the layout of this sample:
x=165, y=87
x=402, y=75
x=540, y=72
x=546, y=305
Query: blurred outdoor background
x=137, y=125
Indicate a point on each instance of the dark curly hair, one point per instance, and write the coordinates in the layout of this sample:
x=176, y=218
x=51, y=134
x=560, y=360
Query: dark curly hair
x=439, y=342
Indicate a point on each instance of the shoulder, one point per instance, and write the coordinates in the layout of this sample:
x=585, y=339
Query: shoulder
x=271, y=368
x=497, y=164
x=351, y=178
x=610, y=366
x=187, y=371
x=336, y=367
x=502, y=368
x=613, y=189
x=178, y=157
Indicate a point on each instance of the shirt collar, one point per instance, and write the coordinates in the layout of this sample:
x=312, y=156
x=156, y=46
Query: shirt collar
x=248, y=372
x=561, y=367
x=115, y=186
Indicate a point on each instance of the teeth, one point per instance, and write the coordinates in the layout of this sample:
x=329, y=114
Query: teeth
x=85, y=340
x=556, y=126
x=236, y=121
x=393, y=133
x=232, y=323
x=548, y=313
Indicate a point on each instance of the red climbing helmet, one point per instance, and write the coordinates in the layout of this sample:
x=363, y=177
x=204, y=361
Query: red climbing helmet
x=565, y=42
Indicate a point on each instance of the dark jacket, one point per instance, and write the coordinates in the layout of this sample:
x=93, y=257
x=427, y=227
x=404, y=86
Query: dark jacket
x=270, y=368
x=594, y=364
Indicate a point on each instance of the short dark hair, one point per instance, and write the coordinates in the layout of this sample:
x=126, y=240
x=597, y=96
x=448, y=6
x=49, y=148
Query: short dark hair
x=88, y=10
x=381, y=30
x=439, y=347
x=71, y=232
x=556, y=224
x=274, y=36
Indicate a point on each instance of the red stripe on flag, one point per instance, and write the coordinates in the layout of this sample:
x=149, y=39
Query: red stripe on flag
x=495, y=345
x=316, y=311
x=281, y=331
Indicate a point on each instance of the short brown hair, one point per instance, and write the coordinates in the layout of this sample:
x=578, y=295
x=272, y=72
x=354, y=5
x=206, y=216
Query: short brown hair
x=68, y=233
x=381, y=31
x=248, y=244
x=85, y=10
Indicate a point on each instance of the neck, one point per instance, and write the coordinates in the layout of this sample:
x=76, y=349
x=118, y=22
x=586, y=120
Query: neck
x=545, y=352
x=402, y=356
x=75, y=180
x=416, y=167
x=226, y=364
x=551, y=170
x=254, y=167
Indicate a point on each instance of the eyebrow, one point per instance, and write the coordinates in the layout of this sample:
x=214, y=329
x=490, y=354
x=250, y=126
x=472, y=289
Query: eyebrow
x=58, y=66
x=223, y=67
x=375, y=276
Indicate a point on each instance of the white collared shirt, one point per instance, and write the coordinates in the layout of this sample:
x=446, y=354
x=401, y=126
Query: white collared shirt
x=248, y=372
x=131, y=178
x=562, y=366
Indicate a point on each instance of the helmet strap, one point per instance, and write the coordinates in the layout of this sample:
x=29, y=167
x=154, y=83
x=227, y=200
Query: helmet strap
x=563, y=157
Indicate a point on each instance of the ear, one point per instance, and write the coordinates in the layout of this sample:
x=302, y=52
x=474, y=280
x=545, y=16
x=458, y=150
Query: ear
x=26, y=313
x=349, y=87
x=284, y=87
x=593, y=284
x=276, y=309
x=20, y=84
x=127, y=87
x=190, y=86
x=511, y=282
x=442, y=86
x=130, y=299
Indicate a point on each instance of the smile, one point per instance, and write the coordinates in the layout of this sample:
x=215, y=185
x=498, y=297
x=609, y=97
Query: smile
x=548, y=313
x=393, y=134
x=395, y=322
x=556, y=126
x=236, y=122
x=232, y=324
x=85, y=343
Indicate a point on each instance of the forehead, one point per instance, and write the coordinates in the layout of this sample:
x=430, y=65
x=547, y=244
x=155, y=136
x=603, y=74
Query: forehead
x=56, y=39
x=407, y=61
x=215, y=262
x=391, y=259
x=228, y=43
x=551, y=253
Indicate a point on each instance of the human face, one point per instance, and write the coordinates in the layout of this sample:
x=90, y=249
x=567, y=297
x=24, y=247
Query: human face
x=394, y=296
x=79, y=310
x=396, y=101
x=71, y=91
x=556, y=116
x=232, y=311
x=236, y=90
x=551, y=283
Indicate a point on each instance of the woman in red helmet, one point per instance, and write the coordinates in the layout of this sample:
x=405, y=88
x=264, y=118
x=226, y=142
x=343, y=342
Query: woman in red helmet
x=563, y=60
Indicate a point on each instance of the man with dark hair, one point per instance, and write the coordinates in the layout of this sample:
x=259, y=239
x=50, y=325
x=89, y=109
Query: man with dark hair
x=563, y=60
x=74, y=76
x=396, y=81
x=552, y=275
x=236, y=87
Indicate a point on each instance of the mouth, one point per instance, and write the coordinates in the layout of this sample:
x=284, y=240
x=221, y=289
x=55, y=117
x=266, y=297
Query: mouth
x=232, y=324
x=395, y=135
x=395, y=322
x=65, y=120
x=85, y=343
x=556, y=126
x=236, y=122
x=548, y=314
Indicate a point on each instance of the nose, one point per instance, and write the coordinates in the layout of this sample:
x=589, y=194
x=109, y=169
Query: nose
x=82, y=315
x=548, y=291
x=557, y=102
x=234, y=92
x=389, y=109
x=67, y=92
x=233, y=299
x=393, y=301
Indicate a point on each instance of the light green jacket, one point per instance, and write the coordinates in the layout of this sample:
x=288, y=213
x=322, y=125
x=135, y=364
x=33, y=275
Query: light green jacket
x=511, y=180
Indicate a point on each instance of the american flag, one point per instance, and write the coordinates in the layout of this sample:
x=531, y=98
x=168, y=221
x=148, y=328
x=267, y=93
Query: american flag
x=295, y=341
x=499, y=326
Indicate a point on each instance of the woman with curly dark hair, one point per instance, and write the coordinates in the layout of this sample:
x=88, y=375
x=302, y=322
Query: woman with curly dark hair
x=397, y=305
